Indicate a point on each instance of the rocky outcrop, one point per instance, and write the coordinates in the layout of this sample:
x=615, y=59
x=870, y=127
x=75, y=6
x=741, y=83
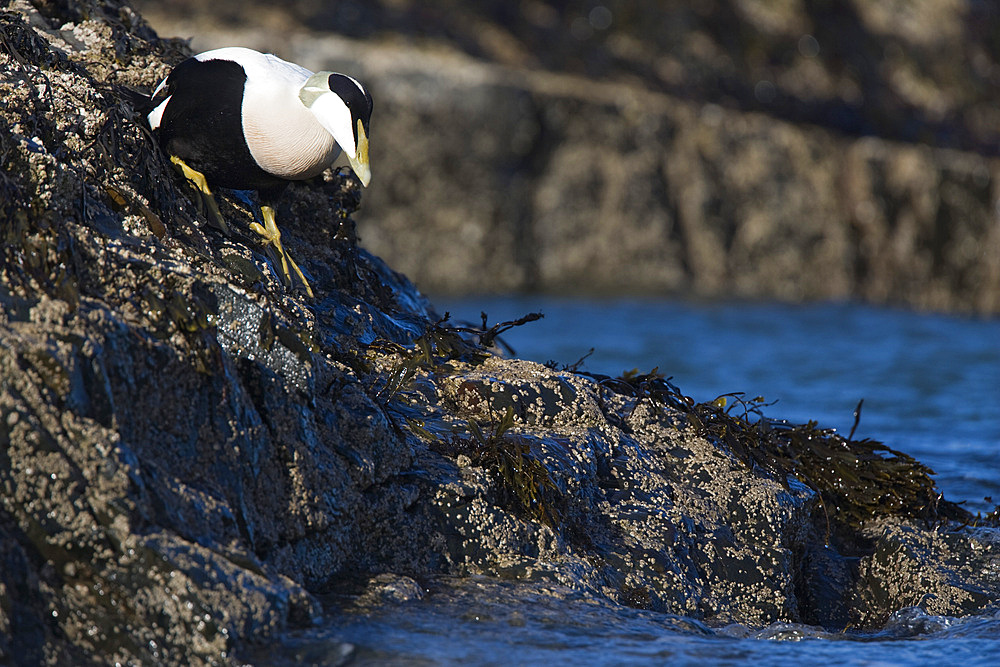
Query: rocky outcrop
x=499, y=177
x=924, y=71
x=193, y=451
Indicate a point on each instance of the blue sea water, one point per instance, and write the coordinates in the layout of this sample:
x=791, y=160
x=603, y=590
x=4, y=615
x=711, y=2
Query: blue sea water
x=488, y=622
x=931, y=388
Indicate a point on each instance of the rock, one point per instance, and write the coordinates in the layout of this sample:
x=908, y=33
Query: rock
x=193, y=452
x=610, y=189
x=913, y=71
x=663, y=173
x=948, y=573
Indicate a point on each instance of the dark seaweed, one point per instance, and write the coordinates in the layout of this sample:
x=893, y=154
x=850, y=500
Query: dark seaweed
x=856, y=479
x=523, y=480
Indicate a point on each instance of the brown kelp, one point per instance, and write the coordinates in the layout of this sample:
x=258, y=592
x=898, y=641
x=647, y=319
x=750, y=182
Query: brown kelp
x=856, y=479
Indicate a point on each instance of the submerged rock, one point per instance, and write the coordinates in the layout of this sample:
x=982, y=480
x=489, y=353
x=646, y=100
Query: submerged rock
x=193, y=452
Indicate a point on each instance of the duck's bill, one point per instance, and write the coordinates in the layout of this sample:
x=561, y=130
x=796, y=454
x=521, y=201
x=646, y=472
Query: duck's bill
x=359, y=163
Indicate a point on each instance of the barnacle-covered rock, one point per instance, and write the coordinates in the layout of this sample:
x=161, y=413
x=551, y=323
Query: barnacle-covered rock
x=190, y=452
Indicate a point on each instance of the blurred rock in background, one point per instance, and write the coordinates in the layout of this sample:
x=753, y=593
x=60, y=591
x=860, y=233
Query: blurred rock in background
x=802, y=149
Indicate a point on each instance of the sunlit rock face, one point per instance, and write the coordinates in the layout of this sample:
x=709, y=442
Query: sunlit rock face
x=783, y=151
x=194, y=451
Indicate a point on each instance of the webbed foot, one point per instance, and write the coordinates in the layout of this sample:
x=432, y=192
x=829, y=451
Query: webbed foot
x=269, y=232
x=208, y=199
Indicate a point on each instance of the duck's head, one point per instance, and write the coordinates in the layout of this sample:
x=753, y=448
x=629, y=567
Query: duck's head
x=342, y=106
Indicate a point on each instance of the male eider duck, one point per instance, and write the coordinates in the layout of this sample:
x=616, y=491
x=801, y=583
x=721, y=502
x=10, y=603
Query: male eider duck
x=240, y=119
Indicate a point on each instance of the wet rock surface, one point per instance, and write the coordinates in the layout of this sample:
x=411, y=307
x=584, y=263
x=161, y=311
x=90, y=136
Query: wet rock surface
x=194, y=453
